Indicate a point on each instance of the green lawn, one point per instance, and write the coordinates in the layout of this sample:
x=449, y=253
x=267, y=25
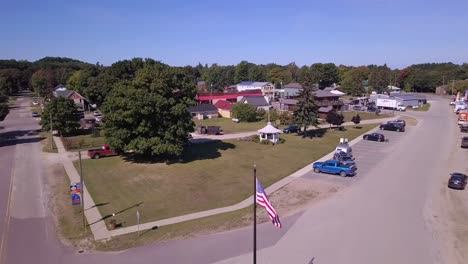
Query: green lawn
x=228, y=126
x=83, y=142
x=209, y=175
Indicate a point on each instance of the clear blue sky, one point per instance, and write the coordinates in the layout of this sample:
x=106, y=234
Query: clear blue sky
x=353, y=32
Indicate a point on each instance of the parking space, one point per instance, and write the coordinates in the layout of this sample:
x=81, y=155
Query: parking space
x=367, y=154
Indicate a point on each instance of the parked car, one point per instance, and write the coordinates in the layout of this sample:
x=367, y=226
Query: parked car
x=392, y=127
x=35, y=114
x=374, y=137
x=401, y=108
x=342, y=155
x=371, y=109
x=344, y=159
x=359, y=108
x=464, y=128
x=292, y=129
x=104, y=151
x=464, y=142
x=35, y=102
x=96, y=113
x=399, y=121
x=334, y=167
x=457, y=181
x=98, y=118
x=345, y=148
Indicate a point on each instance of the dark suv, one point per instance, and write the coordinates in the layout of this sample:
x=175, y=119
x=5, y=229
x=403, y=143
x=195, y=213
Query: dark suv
x=464, y=142
x=291, y=129
x=393, y=127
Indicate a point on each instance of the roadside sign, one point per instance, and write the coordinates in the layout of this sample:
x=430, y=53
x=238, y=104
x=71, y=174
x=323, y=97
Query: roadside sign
x=75, y=188
x=76, y=199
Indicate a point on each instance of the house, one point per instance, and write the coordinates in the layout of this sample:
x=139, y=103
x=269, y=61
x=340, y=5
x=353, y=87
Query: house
x=224, y=108
x=394, y=89
x=292, y=90
x=267, y=88
x=203, y=111
x=258, y=101
x=62, y=91
x=232, y=97
x=333, y=90
x=324, y=110
x=287, y=105
x=325, y=98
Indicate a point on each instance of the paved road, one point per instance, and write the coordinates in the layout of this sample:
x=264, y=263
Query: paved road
x=380, y=218
x=383, y=217
x=27, y=233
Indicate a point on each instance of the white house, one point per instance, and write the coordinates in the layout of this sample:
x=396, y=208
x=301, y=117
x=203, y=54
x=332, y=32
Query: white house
x=267, y=88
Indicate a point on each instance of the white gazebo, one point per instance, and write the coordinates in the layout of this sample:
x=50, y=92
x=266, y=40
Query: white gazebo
x=269, y=133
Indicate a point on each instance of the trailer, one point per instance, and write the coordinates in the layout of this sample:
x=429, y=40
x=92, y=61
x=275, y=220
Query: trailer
x=388, y=103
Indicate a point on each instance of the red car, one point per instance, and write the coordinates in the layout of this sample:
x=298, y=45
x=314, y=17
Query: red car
x=104, y=151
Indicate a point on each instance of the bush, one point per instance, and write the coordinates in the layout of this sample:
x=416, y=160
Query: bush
x=286, y=118
x=261, y=113
x=356, y=119
x=244, y=112
x=335, y=119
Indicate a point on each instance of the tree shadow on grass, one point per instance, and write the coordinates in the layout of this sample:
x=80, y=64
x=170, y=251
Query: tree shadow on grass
x=202, y=151
x=317, y=133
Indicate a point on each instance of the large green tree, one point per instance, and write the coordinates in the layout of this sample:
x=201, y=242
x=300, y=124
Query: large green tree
x=380, y=78
x=352, y=80
x=242, y=72
x=307, y=110
x=80, y=80
x=324, y=74
x=3, y=105
x=150, y=114
x=244, y=112
x=64, y=114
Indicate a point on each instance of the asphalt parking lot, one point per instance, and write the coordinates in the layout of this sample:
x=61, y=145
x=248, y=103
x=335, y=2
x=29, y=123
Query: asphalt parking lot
x=367, y=154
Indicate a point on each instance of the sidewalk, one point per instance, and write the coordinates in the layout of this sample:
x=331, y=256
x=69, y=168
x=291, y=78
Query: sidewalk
x=203, y=138
x=100, y=230
x=92, y=214
x=245, y=203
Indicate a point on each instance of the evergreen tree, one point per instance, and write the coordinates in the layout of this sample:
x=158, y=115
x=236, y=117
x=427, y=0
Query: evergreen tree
x=307, y=110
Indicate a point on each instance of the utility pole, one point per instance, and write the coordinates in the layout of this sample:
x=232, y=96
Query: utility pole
x=453, y=84
x=82, y=192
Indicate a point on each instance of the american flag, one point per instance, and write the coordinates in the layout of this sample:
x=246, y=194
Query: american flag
x=262, y=200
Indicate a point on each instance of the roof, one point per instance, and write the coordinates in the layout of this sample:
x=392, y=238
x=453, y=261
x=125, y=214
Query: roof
x=225, y=96
x=254, y=83
x=293, y=85
x=337, y=92
x=323, y=93
x=269, y=129
x=325, y=109
x=329, y=89
x=408, y=96
x=225, y=105
x=202, y=108
x=288, y=101
x=63, y=93
x=257, y=101
x=60, y=87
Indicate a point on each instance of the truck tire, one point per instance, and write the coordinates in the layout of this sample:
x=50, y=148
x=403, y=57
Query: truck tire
x=343, y=174
x=317, y=170
x=96, y=156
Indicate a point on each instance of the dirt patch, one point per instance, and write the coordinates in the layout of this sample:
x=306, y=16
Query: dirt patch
x=67, y=218
x=301, y=194
x=410, y=121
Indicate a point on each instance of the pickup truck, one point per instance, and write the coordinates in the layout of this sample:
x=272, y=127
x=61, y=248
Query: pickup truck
x=104, y=151
x=334, y=167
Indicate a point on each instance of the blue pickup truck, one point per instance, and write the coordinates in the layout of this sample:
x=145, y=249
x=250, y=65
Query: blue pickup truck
x=334, y=167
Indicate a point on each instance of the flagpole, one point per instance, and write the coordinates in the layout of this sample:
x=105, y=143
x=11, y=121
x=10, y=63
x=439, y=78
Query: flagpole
x=255, y=217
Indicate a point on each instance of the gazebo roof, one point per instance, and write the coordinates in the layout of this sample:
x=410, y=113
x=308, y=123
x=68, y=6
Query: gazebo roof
x=269, y=129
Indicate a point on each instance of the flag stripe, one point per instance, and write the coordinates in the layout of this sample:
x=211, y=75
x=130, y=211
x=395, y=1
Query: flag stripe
x=262, y=200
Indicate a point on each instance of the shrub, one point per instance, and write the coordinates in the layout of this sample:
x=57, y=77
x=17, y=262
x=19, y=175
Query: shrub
x=356, y=119
x=261, y=113
x=244, y=112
